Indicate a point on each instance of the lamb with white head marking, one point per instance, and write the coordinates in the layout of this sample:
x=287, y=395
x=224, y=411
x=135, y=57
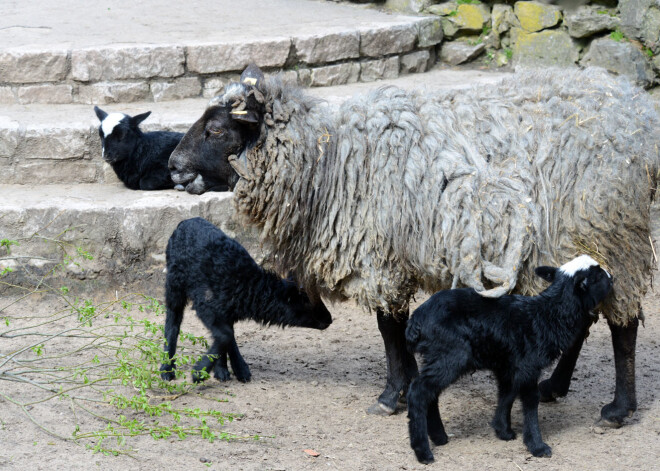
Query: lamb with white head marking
x=226, y=285
x=139, y=159
x=403, y=190
x=459, y=331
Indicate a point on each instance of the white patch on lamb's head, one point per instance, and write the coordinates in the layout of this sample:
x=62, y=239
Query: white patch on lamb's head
x=583, y=262
x=110, y=122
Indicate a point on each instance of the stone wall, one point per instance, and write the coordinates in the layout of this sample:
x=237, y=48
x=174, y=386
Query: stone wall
x=623, y=36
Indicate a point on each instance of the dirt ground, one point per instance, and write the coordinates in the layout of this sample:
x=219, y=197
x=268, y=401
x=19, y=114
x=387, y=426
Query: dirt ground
x=310, y=390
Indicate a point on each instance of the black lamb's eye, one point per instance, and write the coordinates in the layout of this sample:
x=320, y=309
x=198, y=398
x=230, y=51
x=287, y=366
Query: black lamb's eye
x=216, y=130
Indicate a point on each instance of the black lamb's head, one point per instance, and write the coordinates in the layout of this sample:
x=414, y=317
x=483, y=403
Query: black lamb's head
x=119, y=134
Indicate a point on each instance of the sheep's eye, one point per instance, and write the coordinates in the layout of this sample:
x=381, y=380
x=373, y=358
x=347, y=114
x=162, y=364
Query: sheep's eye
x=216, y=131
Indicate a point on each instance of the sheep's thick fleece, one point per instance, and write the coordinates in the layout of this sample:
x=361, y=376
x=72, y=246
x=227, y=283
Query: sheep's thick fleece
x=401, y=190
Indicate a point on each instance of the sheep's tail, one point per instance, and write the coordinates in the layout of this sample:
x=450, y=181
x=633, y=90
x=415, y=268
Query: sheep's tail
x=413, y=333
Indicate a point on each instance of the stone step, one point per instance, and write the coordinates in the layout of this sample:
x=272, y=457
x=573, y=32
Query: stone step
x=70, y=51
x=52, y=144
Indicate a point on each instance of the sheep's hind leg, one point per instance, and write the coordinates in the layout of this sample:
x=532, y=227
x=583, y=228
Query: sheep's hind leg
x=175, y=305
x=502, y=420
x=557, y=385
x=238, y=364
x=529, y=395
x=624, y=340
x=208, y=362
x=401, y=364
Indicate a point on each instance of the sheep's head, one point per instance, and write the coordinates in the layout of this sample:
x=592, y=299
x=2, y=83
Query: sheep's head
x=584, y=276
x=119, y=134
x=228, y=126
x=307, y=307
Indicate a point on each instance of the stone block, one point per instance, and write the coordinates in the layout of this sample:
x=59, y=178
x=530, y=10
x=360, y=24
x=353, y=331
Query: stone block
x=184, y=87
x=545, y=48
x=633, y=14
x=379, y=69
x=387, y=40
x=337, y=74
x=27, y=66
x=112, y=92
x=458, y=52
x=43, y=142
x=45, y=93
x=49, y=172
x=214, y=86
x=407, y=6
x=464, y=18
x=108, y=175
x=10, y=136
x=586, y=21
x=430, y=32
x=214, y=58
x=536, y=16
x=327, y=48
x=7, y=95
x=123, y=62
x=621, y=57
x=415, y=62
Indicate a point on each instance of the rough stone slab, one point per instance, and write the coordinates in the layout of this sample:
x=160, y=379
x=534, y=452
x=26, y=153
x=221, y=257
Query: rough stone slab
x=415, y=62
x=407, y=6
x=213, y=86
x=586, y=21
x=125, y=231
x=430, y=32
x=47, y=93
x=10, y=136
x=113, y=92
x=536, y=16
x=7, y=95
x=44, y=142
x=387, y=40
x=633, y=14
x=54, y=172
x=457, y=52
x=319, y=49
x=215, y=58
x=379, y=69
x=122, y=62
x=621, y=57
x=464, y=18
x=185, y=87
x=338, y=74
x=33, y=66
x=545, y=48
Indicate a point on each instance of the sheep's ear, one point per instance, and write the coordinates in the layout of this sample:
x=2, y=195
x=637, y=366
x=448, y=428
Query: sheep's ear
x=100, y=114
x=252, y=75
x=245, y=116
x=580, y=281
x=137, y=119
x=547, y=273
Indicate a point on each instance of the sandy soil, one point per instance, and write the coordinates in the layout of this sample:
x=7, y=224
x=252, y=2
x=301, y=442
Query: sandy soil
x=310, y=390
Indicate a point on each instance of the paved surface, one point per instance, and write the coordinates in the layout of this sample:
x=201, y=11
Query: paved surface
x=78, y=24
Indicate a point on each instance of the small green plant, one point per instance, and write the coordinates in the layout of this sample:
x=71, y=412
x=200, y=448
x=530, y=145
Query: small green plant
x=617, y=35
x=648, y=51
x=452, y=13
x=508, y=53
x=468, y=2
x=7, y=243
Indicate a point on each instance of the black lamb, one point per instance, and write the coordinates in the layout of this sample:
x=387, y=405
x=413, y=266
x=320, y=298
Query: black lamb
x=226, y=285
x=139, y=159
x=458, y=331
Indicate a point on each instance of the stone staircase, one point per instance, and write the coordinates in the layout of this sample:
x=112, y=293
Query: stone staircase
x=59, y=58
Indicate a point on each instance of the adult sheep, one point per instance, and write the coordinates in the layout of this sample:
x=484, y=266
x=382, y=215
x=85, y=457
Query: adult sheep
x=400, y=190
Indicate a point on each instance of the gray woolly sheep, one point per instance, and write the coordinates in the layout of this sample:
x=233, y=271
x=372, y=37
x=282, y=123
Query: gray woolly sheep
x=401, y=190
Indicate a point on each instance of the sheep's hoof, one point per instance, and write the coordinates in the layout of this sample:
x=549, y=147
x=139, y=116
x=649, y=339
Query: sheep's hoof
x=541, y=451
x=505, y=435
x=612, y=415
x=424, y=456
x=380, y=409
x=439, y=438
x=221, y=374
x=167, y=375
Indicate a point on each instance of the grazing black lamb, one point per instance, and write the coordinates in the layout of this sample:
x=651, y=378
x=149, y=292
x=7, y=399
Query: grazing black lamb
x=139, y=159
x=226, y=285
x=459, y=331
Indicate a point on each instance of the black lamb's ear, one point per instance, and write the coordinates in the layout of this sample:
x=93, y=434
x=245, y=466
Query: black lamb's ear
x=580, y=281
x=100, y=114
x=547, y=273
x=252, y=75
x=137, y=119
x=245, y=116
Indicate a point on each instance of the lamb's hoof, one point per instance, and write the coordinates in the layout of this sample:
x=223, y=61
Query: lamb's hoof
x=380, y=409
x=167, y=375
x=243, y=378
x=547, y=392
x=505, y=435
x=439, y=438
x=424, y=456
x=199, y=376
x=221, y=374
x=541, y=451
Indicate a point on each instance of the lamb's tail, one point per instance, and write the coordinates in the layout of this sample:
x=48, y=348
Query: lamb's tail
x=413, y=333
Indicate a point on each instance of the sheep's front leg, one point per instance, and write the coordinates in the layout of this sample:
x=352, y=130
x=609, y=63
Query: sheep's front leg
x=502, y=420
x=238, y=364
x=401, y=364
x=208, y=362
x=529, y=394
x=420, y=396
x=624, y=340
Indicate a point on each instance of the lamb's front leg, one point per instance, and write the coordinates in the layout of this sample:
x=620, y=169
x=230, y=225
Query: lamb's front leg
x=208, y=362
x=529, y=394
x=238, y=364
x=420, y=395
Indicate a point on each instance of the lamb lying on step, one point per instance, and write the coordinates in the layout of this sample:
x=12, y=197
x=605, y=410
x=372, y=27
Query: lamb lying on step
x=458, y=331
x=139, y=159
x=226, y=285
